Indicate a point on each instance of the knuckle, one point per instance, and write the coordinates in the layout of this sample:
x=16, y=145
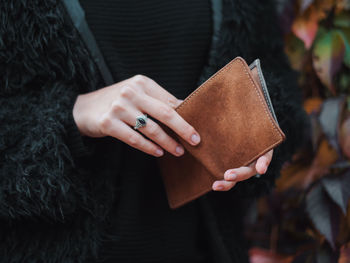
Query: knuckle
x=134, y=140
x=127, y=91
x=153, y=131
x=105, y=122
x=166, y=112
x=117, y=106
x=140, y=79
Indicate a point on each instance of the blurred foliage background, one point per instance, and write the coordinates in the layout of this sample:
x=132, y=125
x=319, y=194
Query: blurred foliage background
x=307, y=217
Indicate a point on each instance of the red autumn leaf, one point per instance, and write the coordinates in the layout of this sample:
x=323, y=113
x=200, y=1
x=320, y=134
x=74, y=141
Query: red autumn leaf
x=305, y=26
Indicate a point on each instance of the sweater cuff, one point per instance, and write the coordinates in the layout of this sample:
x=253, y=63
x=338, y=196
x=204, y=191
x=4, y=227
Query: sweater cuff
x=79, y=145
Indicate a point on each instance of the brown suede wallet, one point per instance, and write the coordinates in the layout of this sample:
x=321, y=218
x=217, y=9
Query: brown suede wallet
x=234, y=117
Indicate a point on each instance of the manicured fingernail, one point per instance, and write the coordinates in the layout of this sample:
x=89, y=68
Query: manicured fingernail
x=179, y=150
x=195, y=138
x=159, y=152
x=232, y=177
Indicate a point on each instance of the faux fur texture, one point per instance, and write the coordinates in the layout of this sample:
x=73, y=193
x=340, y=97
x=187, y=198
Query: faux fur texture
x=51, y=205
x=48, y=202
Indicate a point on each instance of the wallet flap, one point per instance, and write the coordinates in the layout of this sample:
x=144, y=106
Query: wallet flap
x=233, y=119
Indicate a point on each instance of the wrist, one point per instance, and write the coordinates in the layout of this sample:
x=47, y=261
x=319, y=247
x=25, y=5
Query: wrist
x=76, y=113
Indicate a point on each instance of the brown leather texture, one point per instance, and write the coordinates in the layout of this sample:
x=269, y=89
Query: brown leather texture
x=235, y=124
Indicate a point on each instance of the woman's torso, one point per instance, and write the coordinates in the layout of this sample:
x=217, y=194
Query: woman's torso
x=167, y=41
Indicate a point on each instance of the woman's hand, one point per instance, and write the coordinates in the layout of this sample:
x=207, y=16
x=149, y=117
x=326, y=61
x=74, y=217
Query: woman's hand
x=232, y=176
x=112, y=111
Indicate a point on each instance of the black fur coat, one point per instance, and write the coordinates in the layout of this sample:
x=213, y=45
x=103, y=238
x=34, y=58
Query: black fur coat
x=53, y=200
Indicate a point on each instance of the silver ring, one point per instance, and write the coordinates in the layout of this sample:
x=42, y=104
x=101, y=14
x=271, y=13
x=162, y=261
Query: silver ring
x=141, y=121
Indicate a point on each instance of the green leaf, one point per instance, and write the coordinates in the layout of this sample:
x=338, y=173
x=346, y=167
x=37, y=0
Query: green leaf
x=344, y=84
x=338, y=189
x=342, y=19
x=345, y=35
x=319, y=210
x=295, y=50
x=328, y=56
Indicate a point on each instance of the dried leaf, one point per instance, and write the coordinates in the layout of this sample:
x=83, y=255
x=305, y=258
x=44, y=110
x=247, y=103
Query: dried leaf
x=300, y=176
x=319, y=209
x=344, y=137
x=259, y=255
x=292, y=176
x=328, y=55
x=325, y=157
x=312, y=104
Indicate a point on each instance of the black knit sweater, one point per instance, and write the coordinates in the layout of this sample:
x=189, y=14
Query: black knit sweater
x=170, y=44
x=54, y=195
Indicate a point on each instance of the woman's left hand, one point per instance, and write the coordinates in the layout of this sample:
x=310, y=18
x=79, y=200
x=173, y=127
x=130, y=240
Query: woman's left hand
x=232, y=176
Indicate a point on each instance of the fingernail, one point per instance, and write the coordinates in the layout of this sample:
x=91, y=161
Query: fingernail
x=179, y=150
x=232, y=177
x=159, y=152
x=195, y=138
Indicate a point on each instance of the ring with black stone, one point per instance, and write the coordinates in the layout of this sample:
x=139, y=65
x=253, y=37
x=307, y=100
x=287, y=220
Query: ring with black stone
x=141, y=121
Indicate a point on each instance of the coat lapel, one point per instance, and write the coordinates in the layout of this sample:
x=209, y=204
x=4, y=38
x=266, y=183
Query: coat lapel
x=77, y=16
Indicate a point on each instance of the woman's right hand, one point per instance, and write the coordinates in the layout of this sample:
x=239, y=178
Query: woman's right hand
x=112, y=111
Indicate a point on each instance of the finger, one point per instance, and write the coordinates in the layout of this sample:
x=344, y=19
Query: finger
x=240, y=174
x=222, y=185
x=169, y=117
x=123, y=132
x=263, y=162
x=154, y=132
x=153, y=89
